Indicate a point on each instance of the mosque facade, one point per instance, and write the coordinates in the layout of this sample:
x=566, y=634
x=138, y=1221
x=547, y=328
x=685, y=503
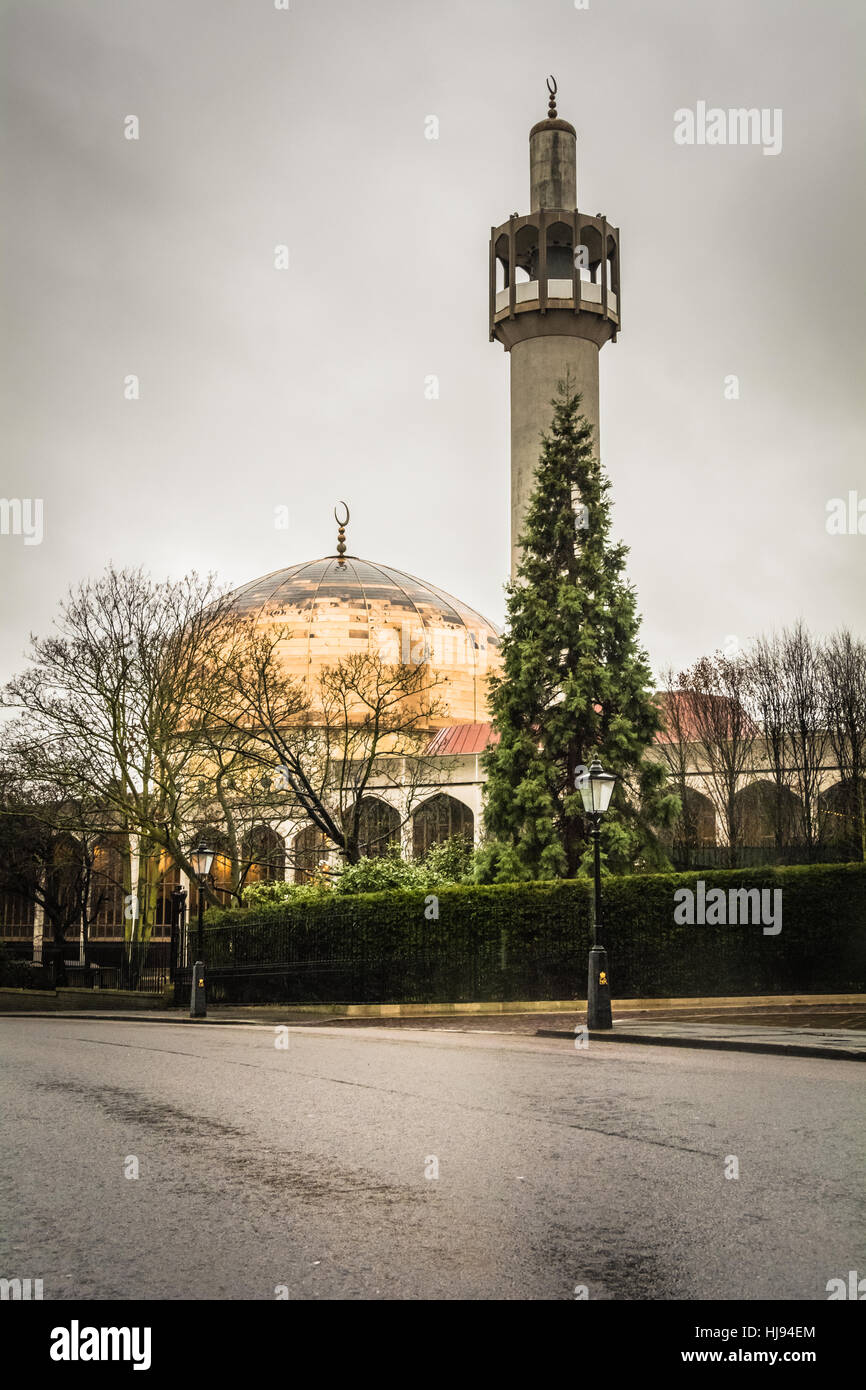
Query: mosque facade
x=555, y=299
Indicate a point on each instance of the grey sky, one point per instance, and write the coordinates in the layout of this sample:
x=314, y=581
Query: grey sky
x=263, y=388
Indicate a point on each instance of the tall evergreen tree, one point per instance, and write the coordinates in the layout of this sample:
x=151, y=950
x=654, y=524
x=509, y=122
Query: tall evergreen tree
x=576, y=683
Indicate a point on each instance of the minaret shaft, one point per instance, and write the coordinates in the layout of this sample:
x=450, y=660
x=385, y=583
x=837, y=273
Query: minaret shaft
x=558, y=304
x=537, y=365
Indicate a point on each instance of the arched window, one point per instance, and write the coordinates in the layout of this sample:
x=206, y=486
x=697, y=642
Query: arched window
x=843, y=816
x=439, y=819
x=169, y=879
x=16, y=917
x=768, y=815
x=697, y=822
x=66, y=880
x=310, y=850
x=108, y=888
x=264, y=855
x=378, y=828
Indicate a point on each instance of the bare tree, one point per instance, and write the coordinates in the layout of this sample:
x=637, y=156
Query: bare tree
x=363, y=728
x=716, y=706
x=843, y=689
x=807, y=728
x=771, y=696
x=114, y=700
x=674, y=746
x=48, y=847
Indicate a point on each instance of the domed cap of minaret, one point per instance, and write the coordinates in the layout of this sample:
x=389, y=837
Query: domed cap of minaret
x=553, y=160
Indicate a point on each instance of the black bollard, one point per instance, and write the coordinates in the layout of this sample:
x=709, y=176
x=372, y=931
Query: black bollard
x=198, y=995
x=598, y=1014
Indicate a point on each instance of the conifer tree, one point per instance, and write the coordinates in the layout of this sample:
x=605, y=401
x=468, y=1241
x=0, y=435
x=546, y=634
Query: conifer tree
x=576, y=683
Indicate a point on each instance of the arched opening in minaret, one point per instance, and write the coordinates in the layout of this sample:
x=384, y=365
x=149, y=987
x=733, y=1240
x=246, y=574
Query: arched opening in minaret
x=560, y=252
x=610, y=267
x=591, y=240
x=525, y=254
x=501, y=258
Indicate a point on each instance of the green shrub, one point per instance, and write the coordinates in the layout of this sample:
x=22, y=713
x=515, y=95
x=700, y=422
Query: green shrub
x=275, y=891
x=451, y=861
x=373, y=875
x=530, y=940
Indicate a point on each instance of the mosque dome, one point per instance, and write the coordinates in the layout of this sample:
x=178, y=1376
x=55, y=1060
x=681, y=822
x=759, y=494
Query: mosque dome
x=341, y=605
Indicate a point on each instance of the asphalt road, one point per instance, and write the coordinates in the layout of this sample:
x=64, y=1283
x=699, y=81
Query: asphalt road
x=303, y=1169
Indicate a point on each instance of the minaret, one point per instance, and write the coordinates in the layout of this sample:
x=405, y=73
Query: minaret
x=554, y=299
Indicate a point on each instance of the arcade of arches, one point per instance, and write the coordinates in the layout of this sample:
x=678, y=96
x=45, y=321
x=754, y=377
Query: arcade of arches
x=769, y=817
x=434, y=821
x=263, y=857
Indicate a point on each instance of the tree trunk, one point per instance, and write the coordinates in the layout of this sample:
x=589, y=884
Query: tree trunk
x=352, y=850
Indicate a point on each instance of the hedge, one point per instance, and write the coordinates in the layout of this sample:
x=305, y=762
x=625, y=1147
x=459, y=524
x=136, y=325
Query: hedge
x=530, y=941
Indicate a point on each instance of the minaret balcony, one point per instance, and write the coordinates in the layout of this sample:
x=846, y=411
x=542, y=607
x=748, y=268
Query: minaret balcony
x=560, y=295
x=555, y=260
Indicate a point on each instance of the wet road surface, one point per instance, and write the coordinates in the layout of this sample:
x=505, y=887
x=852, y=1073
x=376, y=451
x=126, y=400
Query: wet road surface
x=311, y=1169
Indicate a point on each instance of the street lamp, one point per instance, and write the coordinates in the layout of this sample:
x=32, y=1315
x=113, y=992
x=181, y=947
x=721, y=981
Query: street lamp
x=176, y=951
x=596, y=788
x=201, y=859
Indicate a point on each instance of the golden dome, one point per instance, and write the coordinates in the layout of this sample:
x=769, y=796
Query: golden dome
x=336, y=607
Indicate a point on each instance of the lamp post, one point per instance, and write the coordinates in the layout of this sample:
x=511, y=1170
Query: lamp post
x=596, y=787
x=201, y=860
x=176, y=955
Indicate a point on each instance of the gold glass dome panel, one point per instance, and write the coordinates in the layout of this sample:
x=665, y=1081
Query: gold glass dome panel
x=334, y=608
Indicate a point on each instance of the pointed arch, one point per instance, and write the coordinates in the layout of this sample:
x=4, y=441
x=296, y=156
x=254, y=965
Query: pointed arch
x=378, y=828
x=439, y=819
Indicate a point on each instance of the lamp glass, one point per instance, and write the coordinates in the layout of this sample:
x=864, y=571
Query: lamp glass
x=596, y=789
x=201, y=860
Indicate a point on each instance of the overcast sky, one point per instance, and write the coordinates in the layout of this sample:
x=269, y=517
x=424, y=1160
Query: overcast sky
x=263, y=388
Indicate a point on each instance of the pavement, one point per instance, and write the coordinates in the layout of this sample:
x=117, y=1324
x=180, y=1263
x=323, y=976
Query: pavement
x=162, y=1160
x=744, y=1029
x=803, y=1042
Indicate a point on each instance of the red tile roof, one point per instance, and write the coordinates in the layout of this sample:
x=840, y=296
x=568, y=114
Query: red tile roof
x=461, y=738
x=675, y=707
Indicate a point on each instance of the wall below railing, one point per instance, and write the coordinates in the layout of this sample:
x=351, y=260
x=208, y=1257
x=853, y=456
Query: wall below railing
x=51, y=1000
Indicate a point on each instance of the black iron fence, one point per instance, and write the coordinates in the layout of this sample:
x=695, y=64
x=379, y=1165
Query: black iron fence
x=530, y=941
x=113, y=966
x=344, y=966
x=149, y=967
x=685, y=857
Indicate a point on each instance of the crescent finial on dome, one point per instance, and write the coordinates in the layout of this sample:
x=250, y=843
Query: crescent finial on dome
x=341, y=534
